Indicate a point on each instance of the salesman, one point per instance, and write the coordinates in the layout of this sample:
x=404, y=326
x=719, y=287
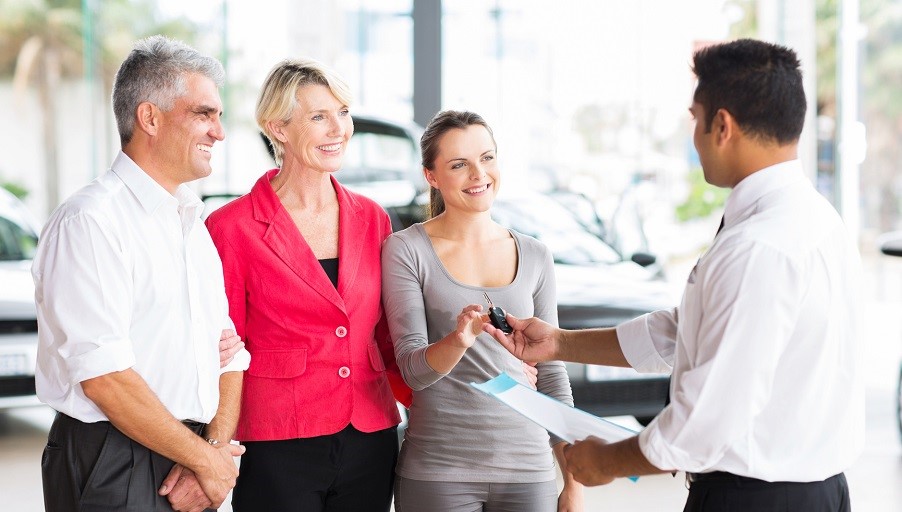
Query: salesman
x=767, y=405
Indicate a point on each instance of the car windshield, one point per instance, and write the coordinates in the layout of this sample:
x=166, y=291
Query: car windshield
x=17, y=242
x=378, y=156
x=548, y=221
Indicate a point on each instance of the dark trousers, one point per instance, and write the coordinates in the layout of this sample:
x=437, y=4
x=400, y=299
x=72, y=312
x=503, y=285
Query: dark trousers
x=722, y=492
x=349, y=471
x=93, y=467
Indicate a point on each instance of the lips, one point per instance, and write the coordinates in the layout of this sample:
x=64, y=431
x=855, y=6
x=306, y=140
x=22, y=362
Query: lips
x=330, y=148
x=477, y=190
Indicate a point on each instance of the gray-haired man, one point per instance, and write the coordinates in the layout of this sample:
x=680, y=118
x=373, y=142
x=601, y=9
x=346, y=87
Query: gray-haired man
x=131, y=308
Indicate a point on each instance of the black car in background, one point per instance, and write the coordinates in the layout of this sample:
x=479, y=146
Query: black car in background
x=597, y=285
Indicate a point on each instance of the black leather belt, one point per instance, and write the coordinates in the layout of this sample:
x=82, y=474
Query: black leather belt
x=720, y=476
x=195, y=426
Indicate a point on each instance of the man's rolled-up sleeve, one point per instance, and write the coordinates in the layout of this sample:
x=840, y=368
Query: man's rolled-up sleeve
x=239, y=363
x=648, y=341
x=86, y=296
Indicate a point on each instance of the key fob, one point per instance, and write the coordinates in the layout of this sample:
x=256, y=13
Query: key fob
x=496, y=316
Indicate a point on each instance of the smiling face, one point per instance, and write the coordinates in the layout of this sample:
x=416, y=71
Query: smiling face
x=465, y=169
x=317, y=135
x=188, y=131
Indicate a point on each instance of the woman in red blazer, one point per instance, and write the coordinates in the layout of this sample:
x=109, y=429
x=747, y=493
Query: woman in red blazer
x=301, y=256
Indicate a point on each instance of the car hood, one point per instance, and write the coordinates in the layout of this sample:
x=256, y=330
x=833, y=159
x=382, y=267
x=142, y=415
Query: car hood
x=606, y=295
x=17, y=292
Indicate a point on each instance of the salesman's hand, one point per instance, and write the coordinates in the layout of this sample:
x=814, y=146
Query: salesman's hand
x=229, y=345
x=585, y=461
x=532, y=339
x=219, y=472
x=183, y=491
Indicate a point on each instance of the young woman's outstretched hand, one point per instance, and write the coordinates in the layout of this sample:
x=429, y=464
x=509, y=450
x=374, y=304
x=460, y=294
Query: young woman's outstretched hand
x=469, y=325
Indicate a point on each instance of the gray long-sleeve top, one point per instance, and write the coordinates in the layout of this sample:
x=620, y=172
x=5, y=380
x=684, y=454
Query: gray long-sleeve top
x=456, y=433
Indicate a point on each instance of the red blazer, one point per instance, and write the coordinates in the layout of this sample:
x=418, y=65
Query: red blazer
x=318, y=355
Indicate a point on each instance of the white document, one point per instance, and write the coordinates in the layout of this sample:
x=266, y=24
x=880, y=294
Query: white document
x=568, y=423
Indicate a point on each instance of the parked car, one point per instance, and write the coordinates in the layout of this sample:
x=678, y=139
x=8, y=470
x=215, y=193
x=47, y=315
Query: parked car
x=891, y=245
x=18, y=320
x=597, y=285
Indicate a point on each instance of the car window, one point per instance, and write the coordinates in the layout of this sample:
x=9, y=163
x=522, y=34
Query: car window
x=378, y=157
x=16, y=241
x=550, y=222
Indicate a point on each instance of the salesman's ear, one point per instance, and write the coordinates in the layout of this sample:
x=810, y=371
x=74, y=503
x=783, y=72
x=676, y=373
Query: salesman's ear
x=724, y=125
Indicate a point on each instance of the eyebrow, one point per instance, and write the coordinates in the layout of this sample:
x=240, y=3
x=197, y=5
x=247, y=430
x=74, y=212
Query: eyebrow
x=206, y=109
x=462, y=159
x=321, y=110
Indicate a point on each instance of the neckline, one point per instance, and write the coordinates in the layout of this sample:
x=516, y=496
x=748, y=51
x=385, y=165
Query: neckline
x=434, y=255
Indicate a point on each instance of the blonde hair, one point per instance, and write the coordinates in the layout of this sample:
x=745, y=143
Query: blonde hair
x=278, y=97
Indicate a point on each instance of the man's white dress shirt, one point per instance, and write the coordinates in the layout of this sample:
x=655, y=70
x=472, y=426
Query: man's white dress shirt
x=126, y=276
x=763, y=346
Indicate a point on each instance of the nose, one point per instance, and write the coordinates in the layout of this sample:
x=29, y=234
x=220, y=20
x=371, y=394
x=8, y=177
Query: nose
x=217, y=131
x=336, y=126
x=477, y=171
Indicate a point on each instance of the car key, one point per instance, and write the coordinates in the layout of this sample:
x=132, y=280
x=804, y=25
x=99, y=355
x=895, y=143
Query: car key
x=497, y=316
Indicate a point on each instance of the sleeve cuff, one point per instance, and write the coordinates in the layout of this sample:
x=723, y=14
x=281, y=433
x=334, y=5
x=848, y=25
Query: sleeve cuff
x=638, y=347
x=651, y=440
x=241, y=362
x=107, y=358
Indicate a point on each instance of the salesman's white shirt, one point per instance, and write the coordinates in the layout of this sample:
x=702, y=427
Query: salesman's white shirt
x=126, y=276
x=764, y=345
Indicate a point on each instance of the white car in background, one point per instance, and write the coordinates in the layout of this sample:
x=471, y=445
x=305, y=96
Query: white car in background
x=18, y=320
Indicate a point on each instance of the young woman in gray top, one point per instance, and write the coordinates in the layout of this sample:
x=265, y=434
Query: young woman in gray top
x=463, y=450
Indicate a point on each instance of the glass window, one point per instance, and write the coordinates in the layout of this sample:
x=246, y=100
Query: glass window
x=378, y=157
x=16, y=242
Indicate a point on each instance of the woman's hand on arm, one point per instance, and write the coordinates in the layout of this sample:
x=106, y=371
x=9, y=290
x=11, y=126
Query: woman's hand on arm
x=229, y=345
x=532, y=374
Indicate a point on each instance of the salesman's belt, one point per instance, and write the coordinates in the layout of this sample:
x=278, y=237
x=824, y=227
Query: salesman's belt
x=720, y=476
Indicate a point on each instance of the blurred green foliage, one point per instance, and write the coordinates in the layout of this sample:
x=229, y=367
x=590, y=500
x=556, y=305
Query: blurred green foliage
x=15, y=189
x=703, y=199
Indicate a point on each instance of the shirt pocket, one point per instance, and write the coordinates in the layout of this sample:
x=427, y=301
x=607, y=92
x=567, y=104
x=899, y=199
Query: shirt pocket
x=278, y=364
x=376, y=358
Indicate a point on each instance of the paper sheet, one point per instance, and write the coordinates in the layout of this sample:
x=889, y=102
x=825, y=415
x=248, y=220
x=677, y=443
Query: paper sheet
x=568, y=423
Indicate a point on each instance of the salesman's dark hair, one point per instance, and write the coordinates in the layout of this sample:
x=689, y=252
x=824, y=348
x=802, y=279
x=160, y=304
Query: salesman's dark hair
x=758, y=83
